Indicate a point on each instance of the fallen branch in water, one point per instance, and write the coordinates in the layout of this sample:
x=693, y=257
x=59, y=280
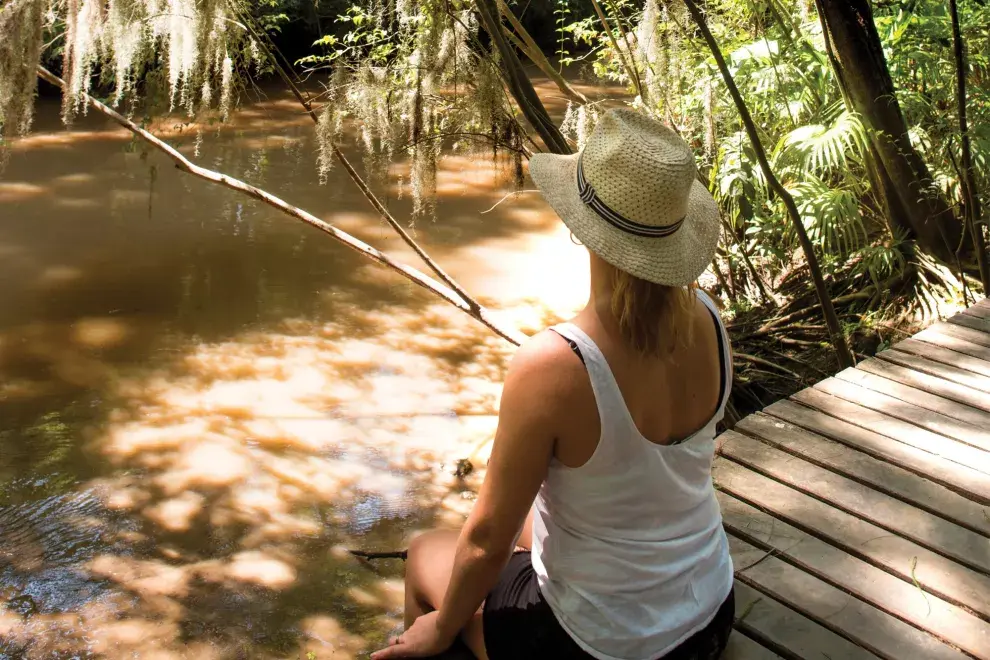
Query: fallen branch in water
x=396, y=554
x=359, y=182
x=465, y=304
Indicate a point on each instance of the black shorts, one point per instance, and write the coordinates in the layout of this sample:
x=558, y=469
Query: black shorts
x=519, y=624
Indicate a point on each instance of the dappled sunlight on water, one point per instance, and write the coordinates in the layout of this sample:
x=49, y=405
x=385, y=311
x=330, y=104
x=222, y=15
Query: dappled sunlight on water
x=204, y=404
x=238, y=474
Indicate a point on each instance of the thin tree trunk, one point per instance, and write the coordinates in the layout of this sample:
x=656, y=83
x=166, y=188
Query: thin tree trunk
x=862, y=67
x=629, y=67
x=838, y=339
x=732, y=235
x=519, y=83
x=632, y=56
x=970, y=192
x=474, y=310
x=721, y=278
x=533, y=51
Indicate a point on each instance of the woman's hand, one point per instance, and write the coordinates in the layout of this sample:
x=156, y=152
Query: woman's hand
x=422, y=640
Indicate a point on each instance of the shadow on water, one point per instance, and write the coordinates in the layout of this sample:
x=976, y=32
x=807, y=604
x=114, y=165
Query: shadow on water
x=203, y=403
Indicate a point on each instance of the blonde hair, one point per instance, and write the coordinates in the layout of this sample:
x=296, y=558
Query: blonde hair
x=653, y=318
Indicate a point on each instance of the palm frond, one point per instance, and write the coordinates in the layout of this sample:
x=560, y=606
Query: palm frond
x=881, y=260
x=821, y=148
x=831, y=216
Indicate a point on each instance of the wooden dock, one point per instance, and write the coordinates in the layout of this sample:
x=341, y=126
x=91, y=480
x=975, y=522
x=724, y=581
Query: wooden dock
x=858, y=510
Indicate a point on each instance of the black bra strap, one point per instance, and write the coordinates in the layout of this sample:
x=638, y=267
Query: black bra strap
x=572, y=344
x=724, y=371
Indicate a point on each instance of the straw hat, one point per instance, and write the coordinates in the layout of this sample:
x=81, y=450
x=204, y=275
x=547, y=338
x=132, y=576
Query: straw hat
x=632, y=196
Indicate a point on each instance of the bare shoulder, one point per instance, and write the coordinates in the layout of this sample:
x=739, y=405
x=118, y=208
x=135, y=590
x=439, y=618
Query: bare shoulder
x=545, y=367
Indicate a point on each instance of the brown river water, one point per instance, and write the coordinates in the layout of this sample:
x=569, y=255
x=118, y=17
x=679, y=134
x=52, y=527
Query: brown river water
x=205, y=403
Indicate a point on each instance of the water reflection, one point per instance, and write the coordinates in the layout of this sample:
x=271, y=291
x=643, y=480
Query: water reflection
x=203, y=403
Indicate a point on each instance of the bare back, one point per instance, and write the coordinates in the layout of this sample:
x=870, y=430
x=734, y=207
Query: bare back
x=669, y=399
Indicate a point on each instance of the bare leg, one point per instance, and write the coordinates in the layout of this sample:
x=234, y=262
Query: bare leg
x=428, y=568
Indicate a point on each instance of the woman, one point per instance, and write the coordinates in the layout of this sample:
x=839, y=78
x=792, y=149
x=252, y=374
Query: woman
x=608, y=424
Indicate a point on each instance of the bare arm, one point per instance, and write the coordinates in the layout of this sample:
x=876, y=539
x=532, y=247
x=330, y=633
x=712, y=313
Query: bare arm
x=518, y=466
x=536, y=389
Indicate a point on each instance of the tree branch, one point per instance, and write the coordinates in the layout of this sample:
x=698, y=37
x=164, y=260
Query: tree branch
x=625, y=40
x=766, y=363
x=359, y=182
x=181, y=162
x=838, y=339
x=395, y=554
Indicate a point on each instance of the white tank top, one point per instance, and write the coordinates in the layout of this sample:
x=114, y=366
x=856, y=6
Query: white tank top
x=629, y=548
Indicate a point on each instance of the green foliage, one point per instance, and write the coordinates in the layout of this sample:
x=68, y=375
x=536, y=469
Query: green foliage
x=880, y=261
x=831, y=216
x=561, y=14
x=367, y=37
x=918, y=47
x=271, y=15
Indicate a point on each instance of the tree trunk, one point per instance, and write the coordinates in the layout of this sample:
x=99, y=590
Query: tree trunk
x=519, y=83
x=837, y=338
x=880, y=184
x=905, y=181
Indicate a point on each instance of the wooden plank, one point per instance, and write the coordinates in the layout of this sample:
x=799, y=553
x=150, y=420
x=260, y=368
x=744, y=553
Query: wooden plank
x=972, y=322
x=909, y=561
x=940, y=369
x=949, y=356
x=936, y=422
x=967, y=482
x=962, y=332
x=936, y=336
x=979, y=311
x=880, y=475
x=741, y=647
x=777, y=625
x=918, y=397
x=943, y=536
x=871, y=420
x=927, y=383
x=887, y=595
x=860, y=623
